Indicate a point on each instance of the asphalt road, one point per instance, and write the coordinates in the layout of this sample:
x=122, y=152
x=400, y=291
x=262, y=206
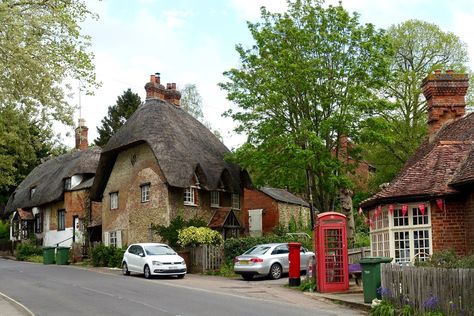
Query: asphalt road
x=65, y=290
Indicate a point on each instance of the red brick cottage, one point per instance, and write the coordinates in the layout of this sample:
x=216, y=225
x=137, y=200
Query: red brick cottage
x=267, y=208
x=429, y=206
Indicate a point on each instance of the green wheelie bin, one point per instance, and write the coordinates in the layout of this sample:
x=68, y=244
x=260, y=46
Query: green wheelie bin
x=371, y=276
x=48, y=255
x=62, y=255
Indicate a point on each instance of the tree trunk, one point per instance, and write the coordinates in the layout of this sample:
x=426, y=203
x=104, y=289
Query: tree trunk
x=346, y=208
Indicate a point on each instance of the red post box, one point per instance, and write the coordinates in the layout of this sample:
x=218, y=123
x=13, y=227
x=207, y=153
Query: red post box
x=294, y=278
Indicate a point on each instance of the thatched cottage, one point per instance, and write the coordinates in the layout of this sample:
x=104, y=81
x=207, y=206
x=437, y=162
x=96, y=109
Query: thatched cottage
x=53, y=201
x=429, y=206
x=163, y=162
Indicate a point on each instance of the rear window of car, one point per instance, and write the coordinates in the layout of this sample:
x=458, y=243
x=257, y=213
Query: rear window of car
x=257, y=250
x=159, y=250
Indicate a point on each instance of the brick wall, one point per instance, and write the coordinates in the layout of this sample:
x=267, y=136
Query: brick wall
x=254, y=199
x=449, y=230
x=470, y=223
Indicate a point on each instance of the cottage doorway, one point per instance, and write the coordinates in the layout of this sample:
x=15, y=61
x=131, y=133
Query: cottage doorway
x=255, y=222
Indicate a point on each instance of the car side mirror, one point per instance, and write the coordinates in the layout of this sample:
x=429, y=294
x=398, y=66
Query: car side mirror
x=141, y=254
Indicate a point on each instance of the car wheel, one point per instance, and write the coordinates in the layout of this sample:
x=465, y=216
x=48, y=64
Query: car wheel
x=125, y=269
x=247, y=276
x=180, y=276
x=147, y=272
x=275, y=271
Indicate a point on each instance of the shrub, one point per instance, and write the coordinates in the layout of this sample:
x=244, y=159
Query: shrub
x=26, y=249
x=104, y=256
x=384, y=308
x=169, y=233
x=448, y=259
x=195, y=236
x=4, y=229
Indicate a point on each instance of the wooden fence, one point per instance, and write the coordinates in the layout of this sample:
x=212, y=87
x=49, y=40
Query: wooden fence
x=356, y=254
x=452, y=288
x=206, y=257
x=7, y=247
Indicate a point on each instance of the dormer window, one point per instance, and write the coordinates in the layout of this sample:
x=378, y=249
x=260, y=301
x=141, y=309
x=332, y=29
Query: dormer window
x=215, y=199
x=32, y=191
x=189, y=196
x=67, y=184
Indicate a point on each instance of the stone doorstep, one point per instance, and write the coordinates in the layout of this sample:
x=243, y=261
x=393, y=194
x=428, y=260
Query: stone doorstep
x=353, y=299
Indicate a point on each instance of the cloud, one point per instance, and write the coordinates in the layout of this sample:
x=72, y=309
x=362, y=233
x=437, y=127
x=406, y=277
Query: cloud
x=249, y=10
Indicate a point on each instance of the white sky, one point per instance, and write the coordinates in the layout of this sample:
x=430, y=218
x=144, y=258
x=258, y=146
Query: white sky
x=193, y=41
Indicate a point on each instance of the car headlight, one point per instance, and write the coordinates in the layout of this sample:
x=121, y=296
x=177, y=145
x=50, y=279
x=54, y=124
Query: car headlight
x=156, y=263
x=183, y=262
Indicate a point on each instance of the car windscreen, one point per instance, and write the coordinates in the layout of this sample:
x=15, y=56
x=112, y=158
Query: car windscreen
x=159, y=250
x=257, y=250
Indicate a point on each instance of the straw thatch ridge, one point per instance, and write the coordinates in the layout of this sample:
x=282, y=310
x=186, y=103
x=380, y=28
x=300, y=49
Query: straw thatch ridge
x=48, y=178
x=181, y=144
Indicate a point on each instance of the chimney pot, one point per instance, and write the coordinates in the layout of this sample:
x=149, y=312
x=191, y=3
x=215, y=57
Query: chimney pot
x=152, y=78
x=157, y=77
x=173, y=86
x=168, y=86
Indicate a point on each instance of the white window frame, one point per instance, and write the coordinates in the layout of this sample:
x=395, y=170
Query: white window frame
x=215, y=200
x=113, y=200
x=189, y=196
x=422, y=247
x=114, y=238
x=235, y=201
x=145, y=192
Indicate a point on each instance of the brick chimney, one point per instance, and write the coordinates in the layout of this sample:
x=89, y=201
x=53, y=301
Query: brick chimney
x=444, y=93
x=155, y=90
x=81, y=135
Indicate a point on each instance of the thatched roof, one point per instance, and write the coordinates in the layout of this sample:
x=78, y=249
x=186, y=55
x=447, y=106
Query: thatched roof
x=48, y=178
x=436, y=167
x=282, y=195
x=182, y=147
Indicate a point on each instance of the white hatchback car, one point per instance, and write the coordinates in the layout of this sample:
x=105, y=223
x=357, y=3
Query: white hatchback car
x=153, y=259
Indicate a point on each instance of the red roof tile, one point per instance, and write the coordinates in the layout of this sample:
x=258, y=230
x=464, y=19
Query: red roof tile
x=435, y=164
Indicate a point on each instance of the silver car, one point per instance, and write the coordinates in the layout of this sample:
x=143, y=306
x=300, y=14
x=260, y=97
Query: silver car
x=268, y=259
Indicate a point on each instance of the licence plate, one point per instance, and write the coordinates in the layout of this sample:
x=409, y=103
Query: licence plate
x=172, y=267
x=244, y=262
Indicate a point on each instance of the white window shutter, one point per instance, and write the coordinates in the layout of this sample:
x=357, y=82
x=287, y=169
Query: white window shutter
x=106, y=239
x=119, y=238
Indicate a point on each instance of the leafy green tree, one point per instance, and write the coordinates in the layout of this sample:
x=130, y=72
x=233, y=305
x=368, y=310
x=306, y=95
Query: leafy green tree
x=41, y=46
x=118, y=114
x=308, y=80
x=23, y=144
x=191, y=102
x=398, y=129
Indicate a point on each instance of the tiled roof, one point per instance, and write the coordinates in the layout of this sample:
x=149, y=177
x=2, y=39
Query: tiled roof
x=466, y=172
x=284, y=196
x=220, y=216
x=435, y=165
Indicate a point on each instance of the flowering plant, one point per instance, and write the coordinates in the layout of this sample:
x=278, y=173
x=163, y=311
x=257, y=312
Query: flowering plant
x=195, y=236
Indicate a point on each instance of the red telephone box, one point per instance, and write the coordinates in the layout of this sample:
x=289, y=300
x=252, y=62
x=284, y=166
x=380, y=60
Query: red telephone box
x=331, y=252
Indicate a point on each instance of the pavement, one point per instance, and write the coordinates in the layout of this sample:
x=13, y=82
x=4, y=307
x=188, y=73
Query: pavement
x=353, y=298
